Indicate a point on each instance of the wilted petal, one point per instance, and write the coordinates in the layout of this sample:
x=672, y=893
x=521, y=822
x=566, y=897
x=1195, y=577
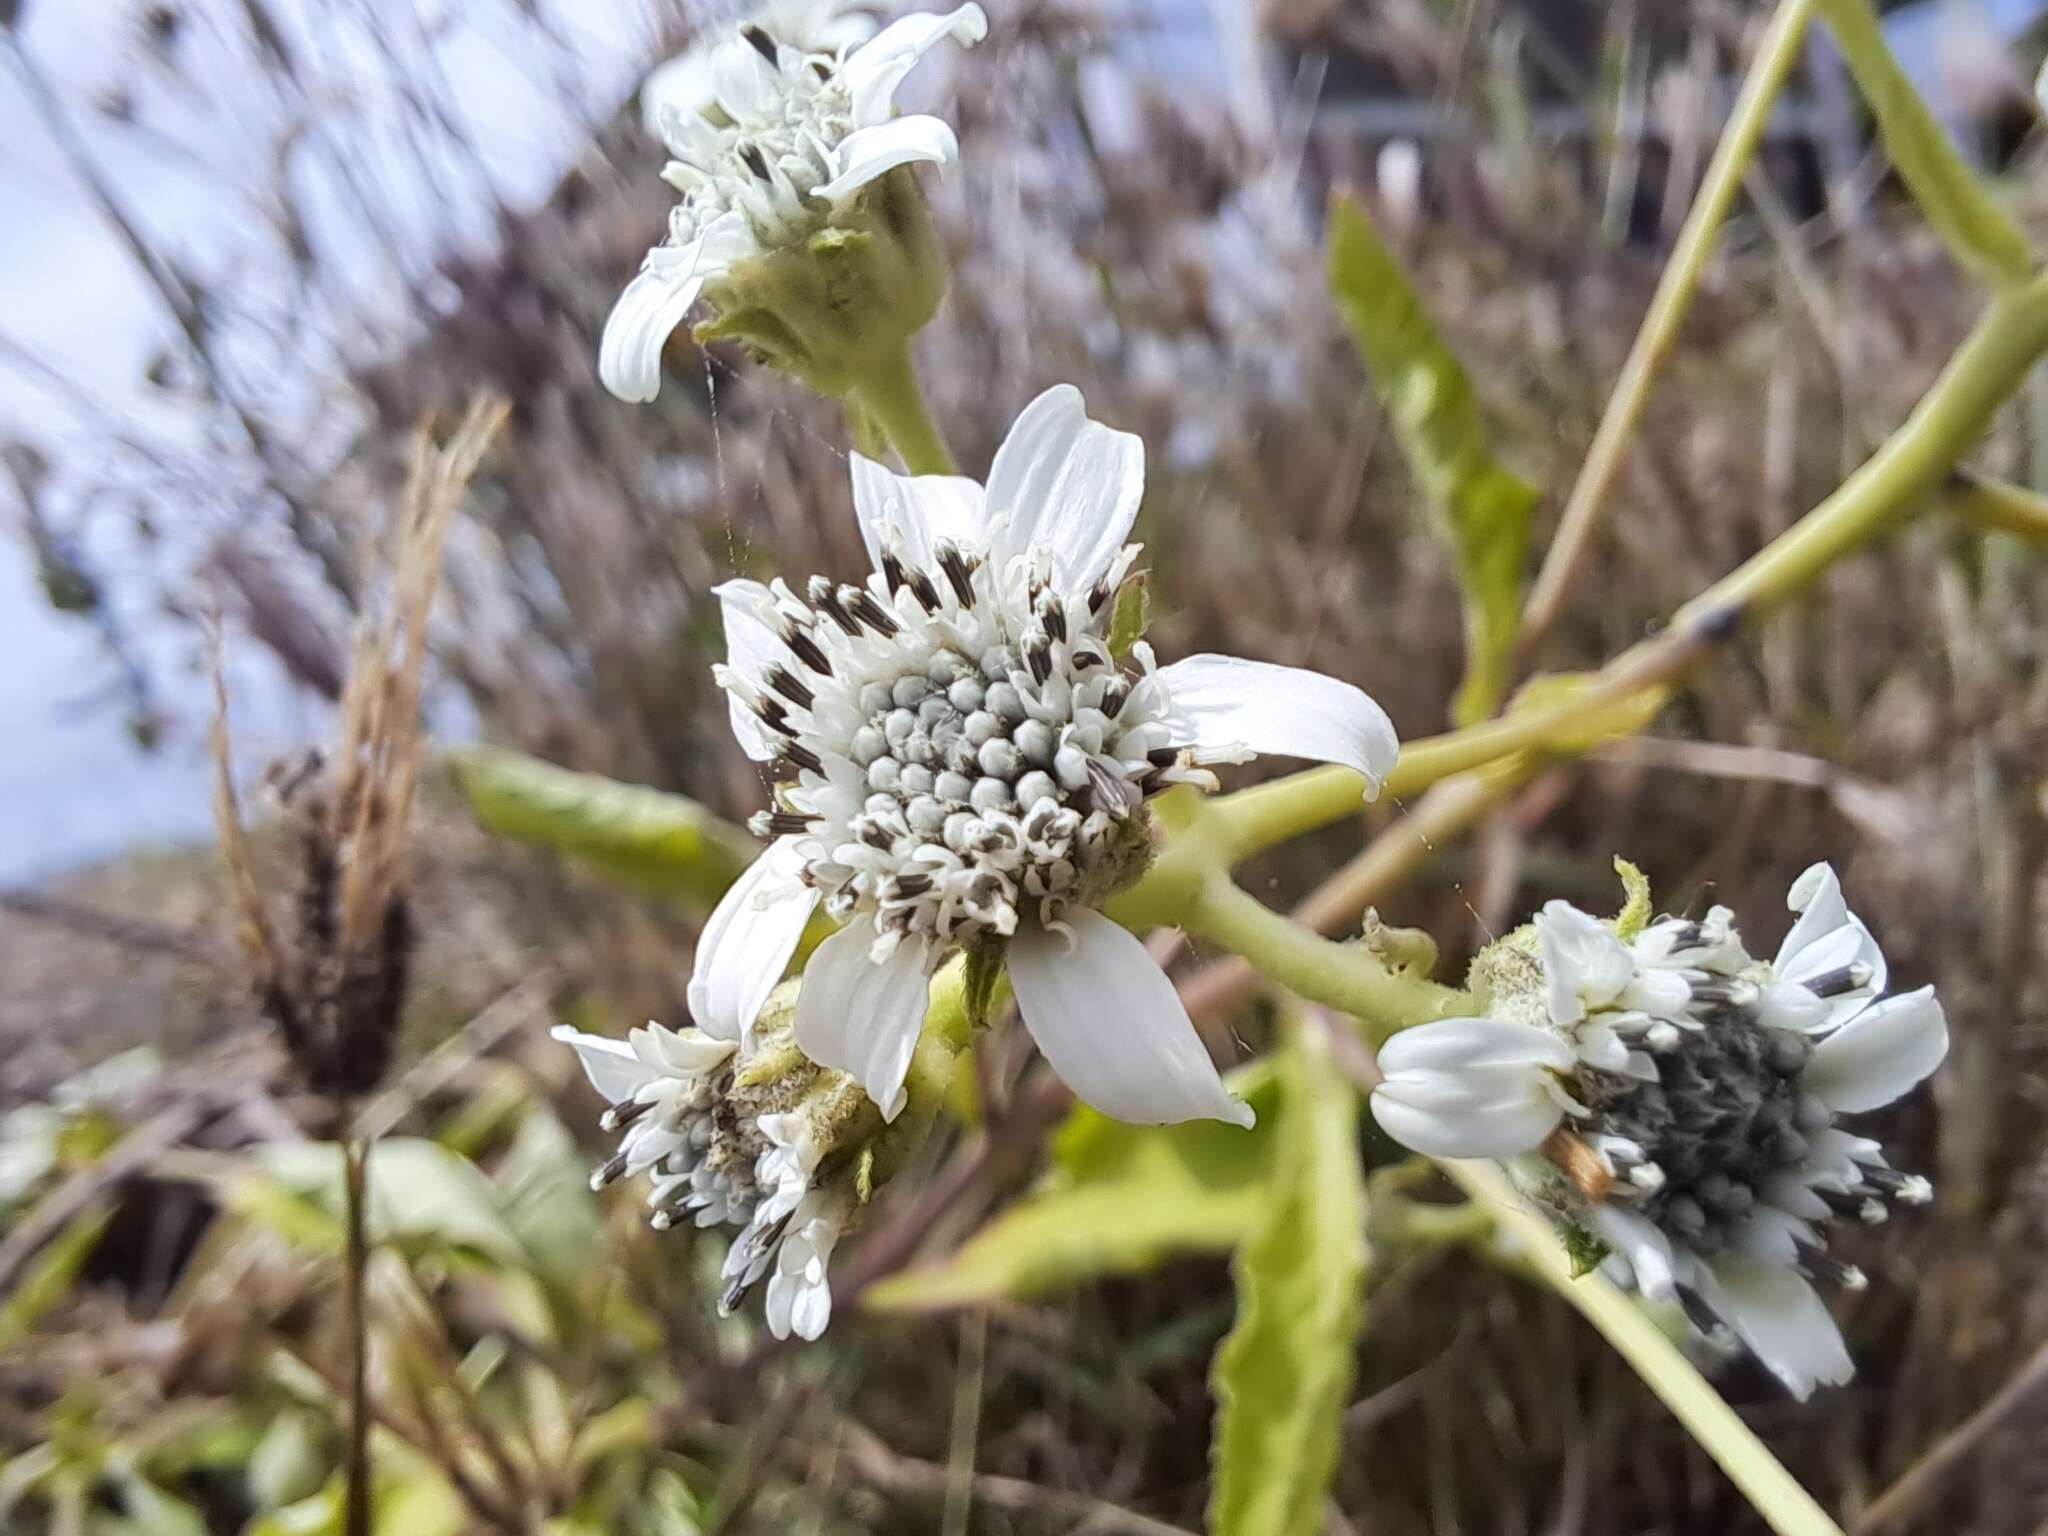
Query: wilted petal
x=747, y=943
x=1113, y=1027
x=920, y=511
x=1067, y=485
x=1227, y=708
x=877, y=67
x=1778, y=1315
x=1881, y=1054
x=867, y=153
x=863, y=1017
x=612, y=1066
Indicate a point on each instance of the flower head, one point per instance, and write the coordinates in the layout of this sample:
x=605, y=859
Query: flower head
x=773, y=137
x=963, y=761
x=744, y=1135
x=687, y=84
x=1702, y=1089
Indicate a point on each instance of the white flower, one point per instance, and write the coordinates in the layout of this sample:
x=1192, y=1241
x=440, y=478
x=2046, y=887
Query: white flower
x=686, y=84
x=963, y=761
x=795, y=131
x=1707, y=1085
x=716, y=1159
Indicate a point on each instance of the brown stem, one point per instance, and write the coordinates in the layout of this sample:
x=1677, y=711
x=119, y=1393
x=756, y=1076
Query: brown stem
x=355, y=1163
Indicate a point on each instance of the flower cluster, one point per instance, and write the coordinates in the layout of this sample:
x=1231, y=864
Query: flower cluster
x=741, y=1134
x=769, y=133
x=1693, y=1092
x=965, y=760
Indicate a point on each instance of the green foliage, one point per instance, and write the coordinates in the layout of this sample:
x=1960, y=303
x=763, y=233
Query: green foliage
x=660, y=842
x=422, y=1196
x=1976, y=230
x=1480, y=509
x=1283, y=1375
x=1119, y=1200
x=50, y=1276
x=1634, y=915
x=1132, y=613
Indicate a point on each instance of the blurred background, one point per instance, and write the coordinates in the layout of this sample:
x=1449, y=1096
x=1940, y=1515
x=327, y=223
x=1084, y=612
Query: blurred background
x=251, y=245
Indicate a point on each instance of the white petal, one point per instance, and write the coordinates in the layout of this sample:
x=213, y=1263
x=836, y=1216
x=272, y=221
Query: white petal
x=1779, y=1316
x=920, y=510
x=867, y=153
x=1113, y=1028
x=1227, y=707
x=653, y=305
x=1850, y=944
x=876, y=68
x=1583, y=961
x=752, y=646
x=1880, y=1055
x=1638, y=1242
x=1450, y=1045
x=1498, y=1112
x=681, y=1053
x=611, y=1065
x=1067, y=485
x=1817, y=897
x=862, y=1017
x=747, y=943
x=1773, y=1237
x=747, y=86
x=682, y=86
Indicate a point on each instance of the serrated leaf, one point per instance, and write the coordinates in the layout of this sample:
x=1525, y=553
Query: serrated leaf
x=1283, y=1375
x=1978, y=232
x=663, y=842
x=1479, y=508
x=1120, y=1199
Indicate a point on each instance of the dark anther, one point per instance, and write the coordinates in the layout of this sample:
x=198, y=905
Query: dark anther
x=796, y=755
x=783, y=823
x=1099, y=595
x=1039, y=659
x=611, y=1170
x=756, y=161
x=826, y=601
x=1846, y=978
x=892, y=573
x=875, y=835
x=805, y=649
x=1054, y=617
x=1114, y=697
x=775, y=715
x=958, y=572
x=785, y=682
x=862, y=605
x=1163, y=757
x=925, y=590
x=1117, y=796
x=913, y=885
x=821, y=69
x=762, y=43
x=619, y=1116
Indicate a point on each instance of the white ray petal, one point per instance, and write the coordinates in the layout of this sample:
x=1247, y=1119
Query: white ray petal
x=918, y=510
x=863, y=1017
x=1113, y=1028
x=1881, y=1054
x=1228, y=707
x=1065, y=484
x=611, y=1065
x=867, y=153
x=1779, y=1316
x=747, y=943
x=877, y=67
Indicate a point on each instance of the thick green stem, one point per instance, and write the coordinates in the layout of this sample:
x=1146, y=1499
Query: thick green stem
x=1347, y=977
x=890, y=397
x=1788, y=1508
x=1915, y=462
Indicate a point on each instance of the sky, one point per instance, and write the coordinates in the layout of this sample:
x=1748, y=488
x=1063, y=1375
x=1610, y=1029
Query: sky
x=72, y=785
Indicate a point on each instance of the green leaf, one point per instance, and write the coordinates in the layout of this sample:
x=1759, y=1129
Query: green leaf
x=1480, y=509
x=1284, y=1374
x=1978, y=232
x=1120, y=1199
x=661, y=842
x=1133, y=611
x=50, y=1276
x=1634, y=915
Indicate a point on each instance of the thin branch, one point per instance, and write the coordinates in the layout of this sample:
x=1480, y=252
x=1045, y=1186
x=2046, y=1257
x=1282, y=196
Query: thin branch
x=1776, y=57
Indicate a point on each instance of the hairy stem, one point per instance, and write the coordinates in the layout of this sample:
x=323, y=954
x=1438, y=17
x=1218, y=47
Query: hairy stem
x=890, y=398
x=1777, y=56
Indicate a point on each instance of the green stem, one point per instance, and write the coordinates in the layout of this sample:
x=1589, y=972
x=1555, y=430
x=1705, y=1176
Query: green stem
x=1914, y=463
x=2000, y=505
x=1776, y=1495
x=1776, y=59
x=1347, y=977
x=891, y=399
